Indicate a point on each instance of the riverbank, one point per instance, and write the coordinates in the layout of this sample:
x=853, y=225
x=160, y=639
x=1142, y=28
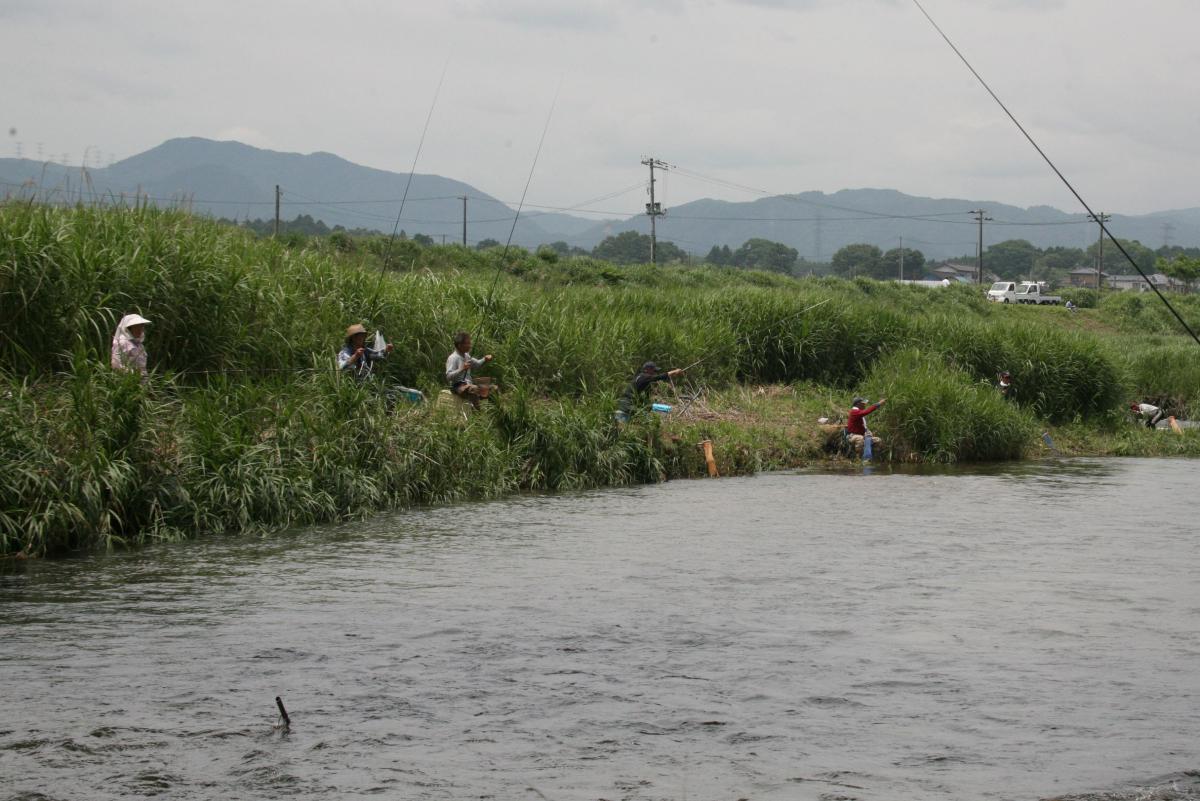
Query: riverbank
x=243, y=425
x=107, y=461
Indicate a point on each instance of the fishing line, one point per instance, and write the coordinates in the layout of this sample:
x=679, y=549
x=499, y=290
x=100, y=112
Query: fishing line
x=1063, y=178
x=487, y=307
x=387, y=256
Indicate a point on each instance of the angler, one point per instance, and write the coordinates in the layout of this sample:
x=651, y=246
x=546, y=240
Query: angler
x=638, y=390
x=459, y=364
x=857, y=434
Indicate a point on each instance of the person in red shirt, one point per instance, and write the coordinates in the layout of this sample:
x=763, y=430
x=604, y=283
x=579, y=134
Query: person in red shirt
x=856, y=425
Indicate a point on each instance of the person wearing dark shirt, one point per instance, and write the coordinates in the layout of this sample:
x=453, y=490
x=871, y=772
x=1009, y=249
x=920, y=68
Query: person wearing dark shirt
x=1004, y=385
x=637, y=394
x=856, y=425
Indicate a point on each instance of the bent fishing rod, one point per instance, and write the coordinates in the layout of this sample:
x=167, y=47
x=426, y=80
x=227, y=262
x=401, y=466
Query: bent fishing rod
x=1098, y=218
x=387, y=255
x=549, y=115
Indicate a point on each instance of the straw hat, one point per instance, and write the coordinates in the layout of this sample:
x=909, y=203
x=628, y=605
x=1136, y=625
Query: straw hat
x=357, y=328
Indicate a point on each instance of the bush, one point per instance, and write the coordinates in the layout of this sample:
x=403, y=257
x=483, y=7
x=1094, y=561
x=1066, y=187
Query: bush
x=937, y=413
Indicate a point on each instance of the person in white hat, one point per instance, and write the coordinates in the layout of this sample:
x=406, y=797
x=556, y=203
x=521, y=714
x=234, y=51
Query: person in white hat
x=128, y=345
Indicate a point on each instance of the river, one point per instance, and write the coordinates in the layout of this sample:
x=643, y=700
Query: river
x=1014, y=632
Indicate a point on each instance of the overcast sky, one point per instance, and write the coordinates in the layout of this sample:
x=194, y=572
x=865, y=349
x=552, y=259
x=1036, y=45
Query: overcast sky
x=779, y=95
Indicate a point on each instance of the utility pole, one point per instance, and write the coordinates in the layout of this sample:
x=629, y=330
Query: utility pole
x=1101, y=218
x=1168, y=229
x=278, y=194
x=653, y=210
x=980, y=217
x=817, y=237
x=464, y=200
x=902, y=260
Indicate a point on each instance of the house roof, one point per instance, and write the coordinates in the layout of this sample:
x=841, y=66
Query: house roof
x=1157, y=278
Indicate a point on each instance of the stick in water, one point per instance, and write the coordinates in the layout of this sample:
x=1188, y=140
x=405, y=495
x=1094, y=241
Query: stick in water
x=287, y=722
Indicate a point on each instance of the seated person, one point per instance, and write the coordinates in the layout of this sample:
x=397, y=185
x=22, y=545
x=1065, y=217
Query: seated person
x=638, y=389
x=458, y=370
x=356, y=359
x=856, y=425
x=129, y=345
x=1004, y=385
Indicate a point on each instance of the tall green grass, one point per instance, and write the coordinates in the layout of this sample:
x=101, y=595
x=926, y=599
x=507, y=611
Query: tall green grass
x=245, y=425
x=939, y=413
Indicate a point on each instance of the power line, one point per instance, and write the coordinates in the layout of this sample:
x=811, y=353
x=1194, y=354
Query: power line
x=1063, y=178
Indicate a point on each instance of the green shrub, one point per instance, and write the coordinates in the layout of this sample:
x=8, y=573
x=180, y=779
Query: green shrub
x=937, y=413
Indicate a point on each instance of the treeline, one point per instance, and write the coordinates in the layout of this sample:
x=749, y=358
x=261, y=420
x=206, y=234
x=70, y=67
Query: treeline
x=1019, y=259
x=629, y=247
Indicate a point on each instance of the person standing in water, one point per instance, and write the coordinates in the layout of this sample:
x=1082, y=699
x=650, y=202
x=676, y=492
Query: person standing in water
x=128, y=345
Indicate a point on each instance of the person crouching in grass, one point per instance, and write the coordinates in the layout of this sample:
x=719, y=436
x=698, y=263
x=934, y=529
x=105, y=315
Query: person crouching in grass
x=355, y=357
x=458, y=370
x=856, y=425
x=129, y=345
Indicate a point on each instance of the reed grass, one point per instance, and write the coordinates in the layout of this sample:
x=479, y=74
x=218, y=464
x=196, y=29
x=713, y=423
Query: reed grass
x=244, y=426
x=940, y=413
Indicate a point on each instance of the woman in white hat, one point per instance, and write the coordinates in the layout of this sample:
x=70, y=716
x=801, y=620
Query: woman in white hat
x=128, y=348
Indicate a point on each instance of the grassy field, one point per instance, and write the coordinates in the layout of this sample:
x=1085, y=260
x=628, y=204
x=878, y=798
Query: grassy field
x=244, y=426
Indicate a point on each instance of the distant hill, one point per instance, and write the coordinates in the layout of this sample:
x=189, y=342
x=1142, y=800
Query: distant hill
x=236, y=181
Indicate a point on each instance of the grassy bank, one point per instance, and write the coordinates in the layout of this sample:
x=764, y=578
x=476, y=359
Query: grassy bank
x=244, y=425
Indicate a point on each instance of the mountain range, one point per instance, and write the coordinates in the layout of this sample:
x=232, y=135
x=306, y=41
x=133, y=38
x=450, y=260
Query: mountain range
x=236, y=181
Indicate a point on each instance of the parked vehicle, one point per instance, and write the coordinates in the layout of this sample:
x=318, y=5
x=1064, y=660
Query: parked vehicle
x=1003, y=292
x=1032, y=292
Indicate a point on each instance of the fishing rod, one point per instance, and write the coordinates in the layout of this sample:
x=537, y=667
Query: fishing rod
x=387, y=255
x=791, y=317
x=1098, y=218
x=781, y=322
x=491, y=292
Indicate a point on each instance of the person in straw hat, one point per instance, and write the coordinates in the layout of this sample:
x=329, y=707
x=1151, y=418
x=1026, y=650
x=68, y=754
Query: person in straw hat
x=355, y=357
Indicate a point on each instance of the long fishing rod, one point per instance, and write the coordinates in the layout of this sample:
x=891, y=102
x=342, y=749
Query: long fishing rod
x=491, y=292
x=791, y=317
x=1098, y=218
x=387, y=256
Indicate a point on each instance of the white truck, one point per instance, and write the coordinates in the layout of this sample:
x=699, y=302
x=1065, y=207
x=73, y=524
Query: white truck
x=1033, y=292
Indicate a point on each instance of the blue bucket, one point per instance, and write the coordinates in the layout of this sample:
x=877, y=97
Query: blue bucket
x=661, y=408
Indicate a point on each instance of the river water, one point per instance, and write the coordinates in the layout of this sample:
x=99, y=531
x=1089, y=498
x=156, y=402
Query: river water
x=1017, y=632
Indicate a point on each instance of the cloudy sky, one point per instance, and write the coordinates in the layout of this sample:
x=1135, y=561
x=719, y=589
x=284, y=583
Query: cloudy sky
x=778, y=95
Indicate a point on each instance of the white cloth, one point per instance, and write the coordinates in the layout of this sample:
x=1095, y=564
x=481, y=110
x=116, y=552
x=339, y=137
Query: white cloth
x=1147, y=410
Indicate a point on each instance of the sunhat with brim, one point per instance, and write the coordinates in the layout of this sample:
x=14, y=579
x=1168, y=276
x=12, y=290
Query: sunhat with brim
x=355, y=329
x=135, y=319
